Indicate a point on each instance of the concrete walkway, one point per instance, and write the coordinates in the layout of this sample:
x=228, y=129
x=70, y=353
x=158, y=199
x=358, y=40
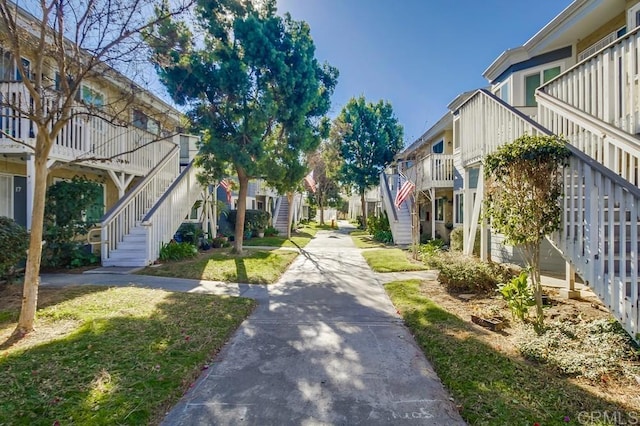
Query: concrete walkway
x=325, y=346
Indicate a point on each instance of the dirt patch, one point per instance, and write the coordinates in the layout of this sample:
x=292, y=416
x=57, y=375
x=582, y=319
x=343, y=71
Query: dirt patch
x=623, y=388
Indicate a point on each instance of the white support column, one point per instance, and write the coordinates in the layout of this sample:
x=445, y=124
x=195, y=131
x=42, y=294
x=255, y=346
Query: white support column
x=475, y=216
x=432, y=195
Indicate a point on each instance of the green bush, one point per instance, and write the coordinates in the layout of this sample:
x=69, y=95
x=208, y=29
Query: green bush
x=65, y=221
x=377, y=223
x=188, y=232
x=177, y=251
x=460, y=273
x=14, y=241
x=429, y=252
x=519, y=295
x=456, y=243
x=270, y=231
x=385, y=237
x=253, y=219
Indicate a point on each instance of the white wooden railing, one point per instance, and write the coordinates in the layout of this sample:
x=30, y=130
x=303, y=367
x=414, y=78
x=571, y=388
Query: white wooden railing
x=599, y=233
x=487, y=123
x=132, y=208
x=432, y=171
x=85, y=136
x=606, y=85
x=169, y=212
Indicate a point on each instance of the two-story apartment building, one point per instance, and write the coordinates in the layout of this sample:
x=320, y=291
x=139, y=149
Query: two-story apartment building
x=578, y=78
x=119, y=135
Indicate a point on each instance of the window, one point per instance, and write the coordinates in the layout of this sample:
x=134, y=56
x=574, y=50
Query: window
x=438, y=147
x=91, y=97
x=503, y=92
x=6, y=196
x=459, y=202
x=9, y=70
x=96, y=211
x=260, y=205
x=440, y=202
x=144, y=122
x=253, y=204
x=533, y=81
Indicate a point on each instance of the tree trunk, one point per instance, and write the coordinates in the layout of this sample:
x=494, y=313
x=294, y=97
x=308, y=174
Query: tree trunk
x=32, y=270
x=289, y=213
x=321, y=207
x=537, y=286
x=364, y=210
x=243, y=179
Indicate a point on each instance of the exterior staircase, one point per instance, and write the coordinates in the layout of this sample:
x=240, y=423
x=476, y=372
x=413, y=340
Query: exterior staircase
x=399, y=219
x=135, y=229
x=599, y=236
x=281, y=215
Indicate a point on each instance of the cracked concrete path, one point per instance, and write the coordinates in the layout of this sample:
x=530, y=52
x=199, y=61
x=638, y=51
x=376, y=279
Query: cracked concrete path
x=325, y=346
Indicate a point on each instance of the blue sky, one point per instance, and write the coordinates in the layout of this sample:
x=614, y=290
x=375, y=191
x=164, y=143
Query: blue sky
x=417, y=54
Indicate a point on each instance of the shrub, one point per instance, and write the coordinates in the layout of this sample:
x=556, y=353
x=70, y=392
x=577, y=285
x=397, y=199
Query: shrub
x=456, y=243
x=188, y=232
x=602, y=344
x=377, y=223
x=270, y=231
x=519, y=295
x=14, y=241
x=430, y=250
x=218, y=242
x=469, y=274
x=253, y=219
x=385, y=237
x=177, y=251
x=65, y=221
x=82, y=256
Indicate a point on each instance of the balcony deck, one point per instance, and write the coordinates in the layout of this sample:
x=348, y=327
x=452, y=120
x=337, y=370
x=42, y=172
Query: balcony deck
x=433, y=171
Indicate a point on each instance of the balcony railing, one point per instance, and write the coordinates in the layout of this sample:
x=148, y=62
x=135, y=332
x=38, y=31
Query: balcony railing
x=433, y=171
x=86, y=138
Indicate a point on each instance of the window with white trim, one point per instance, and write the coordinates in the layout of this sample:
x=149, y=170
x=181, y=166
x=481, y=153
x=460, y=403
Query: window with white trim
x=440, y=202
x=6, y=196
x=459, y=208
x=537, y=79
x=144, y=122
x=8, y=69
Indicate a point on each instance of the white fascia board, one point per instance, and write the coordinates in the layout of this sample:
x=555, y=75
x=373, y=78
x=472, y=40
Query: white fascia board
x=532, y=46
x=445, y=122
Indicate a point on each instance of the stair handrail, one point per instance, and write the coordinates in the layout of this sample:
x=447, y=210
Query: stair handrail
x=626, y=185
x=111, y=237
x=276, y=211
x=164, y=218
x=587, y=236
x=387, y=195
x=108, y=216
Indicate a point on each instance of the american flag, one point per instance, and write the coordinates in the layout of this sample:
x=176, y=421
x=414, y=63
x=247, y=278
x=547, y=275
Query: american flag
x=227, y=187
x=309, y=180
x=405, y=190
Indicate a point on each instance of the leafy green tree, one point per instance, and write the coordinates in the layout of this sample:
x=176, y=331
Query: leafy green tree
x=523, y=185
x=368, y=136
x=253, y=88
x=325, y=164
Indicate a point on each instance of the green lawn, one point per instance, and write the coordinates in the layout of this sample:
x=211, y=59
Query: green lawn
x=300, y=238
x=391, y=260
x=253, y=266
x=107, y=356
x=491, y=387
x=363, y=240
